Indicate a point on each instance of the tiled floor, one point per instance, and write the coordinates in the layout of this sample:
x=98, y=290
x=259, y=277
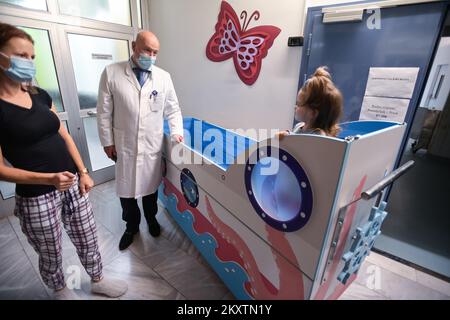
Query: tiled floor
x=169, y=267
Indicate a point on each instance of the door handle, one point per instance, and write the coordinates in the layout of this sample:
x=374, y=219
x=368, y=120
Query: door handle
x=394, y=175
x=92, y=113
x=438, y=87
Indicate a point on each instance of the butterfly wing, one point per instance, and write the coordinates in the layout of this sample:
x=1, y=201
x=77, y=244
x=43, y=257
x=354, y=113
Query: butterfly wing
x=226, y=39
x=253, y=47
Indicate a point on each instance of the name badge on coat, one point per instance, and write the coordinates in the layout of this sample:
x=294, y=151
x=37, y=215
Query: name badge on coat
x=155, y=101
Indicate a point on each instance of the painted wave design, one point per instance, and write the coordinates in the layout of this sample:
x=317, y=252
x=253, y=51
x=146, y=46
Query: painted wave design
x=228, y=246
x=229, y=271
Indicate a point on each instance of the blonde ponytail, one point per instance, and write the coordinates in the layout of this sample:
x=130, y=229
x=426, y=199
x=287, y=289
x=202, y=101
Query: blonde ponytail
x=322, y=72
x=319, y=93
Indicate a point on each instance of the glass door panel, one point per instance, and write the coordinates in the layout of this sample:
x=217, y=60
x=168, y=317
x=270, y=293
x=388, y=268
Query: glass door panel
x=28, y=4
x=90, y=55
x=114, y=11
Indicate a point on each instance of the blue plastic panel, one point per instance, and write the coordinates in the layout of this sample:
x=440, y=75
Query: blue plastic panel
x=363, y=127
x=363, y=242
x=230, y=144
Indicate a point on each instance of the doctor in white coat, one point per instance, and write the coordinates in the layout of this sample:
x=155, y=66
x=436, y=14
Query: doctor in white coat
x=134, y=98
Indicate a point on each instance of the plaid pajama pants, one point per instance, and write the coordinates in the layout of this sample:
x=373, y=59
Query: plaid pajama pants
x=40, y=219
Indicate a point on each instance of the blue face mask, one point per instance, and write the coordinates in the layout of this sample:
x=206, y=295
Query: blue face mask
x=146, y=62
x=297, y=117
x=20, y=70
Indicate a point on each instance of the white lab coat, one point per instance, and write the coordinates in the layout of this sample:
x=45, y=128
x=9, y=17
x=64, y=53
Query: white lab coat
x=132, y=119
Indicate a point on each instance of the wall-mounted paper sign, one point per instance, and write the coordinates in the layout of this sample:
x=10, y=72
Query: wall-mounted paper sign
x=392, y=82
x=385, y=109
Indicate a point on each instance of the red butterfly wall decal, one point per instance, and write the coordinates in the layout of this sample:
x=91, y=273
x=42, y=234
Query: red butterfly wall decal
x=247, y=47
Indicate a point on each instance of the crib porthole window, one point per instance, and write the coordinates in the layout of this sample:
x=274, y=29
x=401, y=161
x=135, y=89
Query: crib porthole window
x=278, y=189
x=189, y=188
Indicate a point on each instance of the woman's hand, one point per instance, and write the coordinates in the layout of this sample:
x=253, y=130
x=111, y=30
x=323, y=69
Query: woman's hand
x=280, y=135
x=63, y=180
x=86, y=183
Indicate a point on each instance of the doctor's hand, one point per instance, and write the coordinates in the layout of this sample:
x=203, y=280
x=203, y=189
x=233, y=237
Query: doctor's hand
x=111, y=152
x=177, y=138
x=86, y=183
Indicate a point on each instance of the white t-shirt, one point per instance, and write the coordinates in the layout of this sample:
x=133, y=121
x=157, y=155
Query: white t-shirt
x=298, y=130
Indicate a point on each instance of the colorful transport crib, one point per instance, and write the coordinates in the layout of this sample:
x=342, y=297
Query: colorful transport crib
x=289, y=219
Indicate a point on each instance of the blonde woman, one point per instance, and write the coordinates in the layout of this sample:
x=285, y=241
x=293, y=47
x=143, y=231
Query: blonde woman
x=319, y=106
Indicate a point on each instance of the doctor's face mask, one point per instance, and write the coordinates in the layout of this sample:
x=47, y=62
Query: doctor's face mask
x=145, y=50
x=146, y=62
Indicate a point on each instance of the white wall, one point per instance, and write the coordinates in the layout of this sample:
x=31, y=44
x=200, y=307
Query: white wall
x=212, y=91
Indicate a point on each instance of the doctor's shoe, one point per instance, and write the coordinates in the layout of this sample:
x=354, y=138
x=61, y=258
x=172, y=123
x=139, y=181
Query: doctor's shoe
x=126, y=240
x=154, y=228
